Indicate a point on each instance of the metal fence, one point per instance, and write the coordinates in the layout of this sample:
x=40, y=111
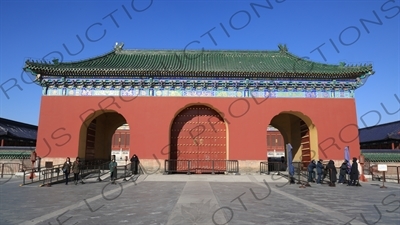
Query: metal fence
x=392, y=173
x=53, y=173
x=10, y=168
x=201, y=166
x=268, y=167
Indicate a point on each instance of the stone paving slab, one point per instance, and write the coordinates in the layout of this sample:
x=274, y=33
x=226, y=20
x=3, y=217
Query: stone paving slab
x=196, y=205
x=144, y=204
x=368, y=204
x=198, y=199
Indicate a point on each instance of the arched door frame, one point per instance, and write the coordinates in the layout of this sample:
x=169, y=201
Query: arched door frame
x=120, y=120
x=313, y=134
x=176, y=131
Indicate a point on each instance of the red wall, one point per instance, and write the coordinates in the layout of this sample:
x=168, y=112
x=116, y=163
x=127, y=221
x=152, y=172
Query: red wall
x=150, y=119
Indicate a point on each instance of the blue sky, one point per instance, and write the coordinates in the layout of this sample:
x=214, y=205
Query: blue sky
x=34, y=29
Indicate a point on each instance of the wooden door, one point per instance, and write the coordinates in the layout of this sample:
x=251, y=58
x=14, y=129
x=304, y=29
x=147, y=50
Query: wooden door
x=198, y=135
x=90, y=141
x=305, y=144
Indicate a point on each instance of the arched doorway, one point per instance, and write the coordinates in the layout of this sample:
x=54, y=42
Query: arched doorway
x=276, y=153
x=120, y=146
x=198, y=137
x=96, y=135
x=298, y=130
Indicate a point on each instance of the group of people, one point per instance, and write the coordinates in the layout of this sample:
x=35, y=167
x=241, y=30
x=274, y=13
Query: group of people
x=75, y=167
x=113, y=167
x=331, y=171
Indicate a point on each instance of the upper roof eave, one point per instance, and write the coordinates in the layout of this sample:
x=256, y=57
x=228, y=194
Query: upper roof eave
x=281, y=63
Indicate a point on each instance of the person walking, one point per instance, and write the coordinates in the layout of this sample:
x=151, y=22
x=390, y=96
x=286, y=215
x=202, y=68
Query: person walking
x=33, y=160
x=283, y=166
x=354, y=173
x=343, y=172
x=113, y=170
x=135, y=164
x=310, y=170
x=320, y=170
x=76, y=169
x=332, y=173
x=67, y=169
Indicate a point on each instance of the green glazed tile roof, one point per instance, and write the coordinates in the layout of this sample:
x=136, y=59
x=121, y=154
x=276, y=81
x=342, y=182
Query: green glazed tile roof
x=197, y=63
x=382, y=157
x=15, y=154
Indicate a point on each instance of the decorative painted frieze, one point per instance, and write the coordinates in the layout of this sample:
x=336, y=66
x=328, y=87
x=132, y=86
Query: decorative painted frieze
x=201, y=88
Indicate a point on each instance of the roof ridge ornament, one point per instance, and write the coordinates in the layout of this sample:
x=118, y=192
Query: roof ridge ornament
x=283, y=48
x=118, y=46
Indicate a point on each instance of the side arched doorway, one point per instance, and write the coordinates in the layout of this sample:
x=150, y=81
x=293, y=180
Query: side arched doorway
x=198, y=141
x=96, y=134
x=298, y=130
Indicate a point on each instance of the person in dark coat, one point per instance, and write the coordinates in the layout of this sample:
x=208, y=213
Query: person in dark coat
x=325, y=173
x=354, y=173
x=310, y=170
x=113, y=170
x=332, y=173
x=343, y=172
x=135, y=164
x=67, y=169
x=76, y=169
x=320, y=170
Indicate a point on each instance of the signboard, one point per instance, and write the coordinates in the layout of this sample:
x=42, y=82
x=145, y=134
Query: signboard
x=275, y=154
x=382, y=167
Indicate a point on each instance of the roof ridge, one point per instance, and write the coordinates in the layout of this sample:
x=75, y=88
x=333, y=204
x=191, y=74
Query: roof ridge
x=17, y=123
x=379, y=125
x=55, y=60
x=197, y=50
x=211, y=62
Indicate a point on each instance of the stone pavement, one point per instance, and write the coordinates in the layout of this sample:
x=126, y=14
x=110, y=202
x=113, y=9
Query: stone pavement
x=198, y=199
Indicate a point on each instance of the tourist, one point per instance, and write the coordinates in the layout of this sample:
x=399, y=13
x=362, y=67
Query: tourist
x=354, y=173
x=283, y=167
x=135, y=164
x=310, y=170
x=343, y=172
x=33, y=157
x=113, y=170
x=33, y=160
x=332, y=173
x=67, y=169
x=320, y=170
x=325, y=173
x=76, y=169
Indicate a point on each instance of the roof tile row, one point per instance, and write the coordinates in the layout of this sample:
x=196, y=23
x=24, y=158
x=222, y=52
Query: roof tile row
x=214, y=63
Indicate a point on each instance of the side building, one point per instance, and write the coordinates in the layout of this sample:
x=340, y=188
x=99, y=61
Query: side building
x=382, y=136
x=380, y=144
x=17, y=141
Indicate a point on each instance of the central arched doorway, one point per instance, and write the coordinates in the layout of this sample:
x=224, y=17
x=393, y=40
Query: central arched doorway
x=198, y=141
